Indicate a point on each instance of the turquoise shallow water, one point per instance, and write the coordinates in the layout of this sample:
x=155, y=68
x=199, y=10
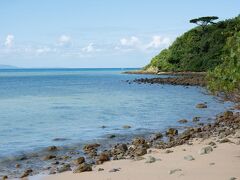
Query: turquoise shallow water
x=39, y=105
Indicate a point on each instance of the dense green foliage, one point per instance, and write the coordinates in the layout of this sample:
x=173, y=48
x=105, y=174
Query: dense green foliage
x=198, y=49
x=226, y=77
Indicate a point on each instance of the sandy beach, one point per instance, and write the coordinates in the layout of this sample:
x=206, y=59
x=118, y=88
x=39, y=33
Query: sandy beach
x=185, y=162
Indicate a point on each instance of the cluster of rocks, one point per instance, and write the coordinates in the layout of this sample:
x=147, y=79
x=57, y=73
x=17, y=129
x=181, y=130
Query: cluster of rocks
x=227, y=123
x=185, y=80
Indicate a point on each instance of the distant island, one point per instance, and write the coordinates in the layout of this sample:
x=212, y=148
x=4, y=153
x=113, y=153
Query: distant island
x=3, y=66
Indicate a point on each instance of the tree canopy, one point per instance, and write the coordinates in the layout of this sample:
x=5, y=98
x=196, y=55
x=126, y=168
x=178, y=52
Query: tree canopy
x=204, y=21
x=196, y=51
x=216, y=51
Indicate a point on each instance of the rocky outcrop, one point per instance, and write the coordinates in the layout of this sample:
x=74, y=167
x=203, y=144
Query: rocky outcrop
x=83, y=168
x=185, y=80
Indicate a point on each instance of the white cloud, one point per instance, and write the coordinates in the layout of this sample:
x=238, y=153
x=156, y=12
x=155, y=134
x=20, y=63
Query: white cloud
x=132, y=41
x=64, y=40
x=89, y=48
x=64, y=47
x=9, y=41
x=158, y=41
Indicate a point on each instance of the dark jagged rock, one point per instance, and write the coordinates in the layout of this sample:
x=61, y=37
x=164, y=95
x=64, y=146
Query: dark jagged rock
x=48, y=157
x=139, y=141
x=185, y=80
x=103, y=157
x=112, y=136
x=114, y=170
x=26, y=173
x=157, y=136
x=52, y=148
x=60, y=139
x=83, y=168
x=196, y=119
x=172, y=132
x=63, y=168
x=100, y=169
x=225, y=140
x=201, y=106
x=4, y=177
x=126, y=127
x=79, y=160
x=91, y=149
x=182, y=121
x=140, y=151
x=119, y=151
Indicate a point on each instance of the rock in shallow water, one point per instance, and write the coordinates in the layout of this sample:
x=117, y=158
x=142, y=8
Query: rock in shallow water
x=48, y=157
x=111, y=136
x=201, y=106
x=26, y=173
x=17, y=165
x=196, y=119
x=90, y=146
x=91, y=149
x=60, y=139
x=52, y=148
x=126, y=127
x=157, y=136
x=182, y=121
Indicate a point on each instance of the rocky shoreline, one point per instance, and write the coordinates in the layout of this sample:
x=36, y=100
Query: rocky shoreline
x=225, y=125
x=178, y=79
x=57, y=160
x=156, y=72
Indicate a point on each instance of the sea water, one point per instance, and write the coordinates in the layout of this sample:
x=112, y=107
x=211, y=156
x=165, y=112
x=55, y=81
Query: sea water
x=39, y=105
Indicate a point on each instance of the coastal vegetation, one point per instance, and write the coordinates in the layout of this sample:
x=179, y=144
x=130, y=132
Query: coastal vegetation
x=210, y=47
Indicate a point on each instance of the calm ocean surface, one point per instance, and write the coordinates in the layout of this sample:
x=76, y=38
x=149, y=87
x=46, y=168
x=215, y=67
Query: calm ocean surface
x=39, y=105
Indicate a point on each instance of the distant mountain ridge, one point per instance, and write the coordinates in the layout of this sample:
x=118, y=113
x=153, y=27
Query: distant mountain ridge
x=3, y=66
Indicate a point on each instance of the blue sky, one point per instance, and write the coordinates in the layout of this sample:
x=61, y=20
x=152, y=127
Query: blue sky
x=97, y=33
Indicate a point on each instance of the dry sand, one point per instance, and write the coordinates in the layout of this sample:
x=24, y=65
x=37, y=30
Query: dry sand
x=223, y=163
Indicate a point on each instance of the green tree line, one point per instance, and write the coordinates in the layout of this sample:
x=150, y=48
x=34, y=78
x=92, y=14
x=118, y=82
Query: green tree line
x=210, y=47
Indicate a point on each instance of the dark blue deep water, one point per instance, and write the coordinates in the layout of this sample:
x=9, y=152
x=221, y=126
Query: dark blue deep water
x=39, y=105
